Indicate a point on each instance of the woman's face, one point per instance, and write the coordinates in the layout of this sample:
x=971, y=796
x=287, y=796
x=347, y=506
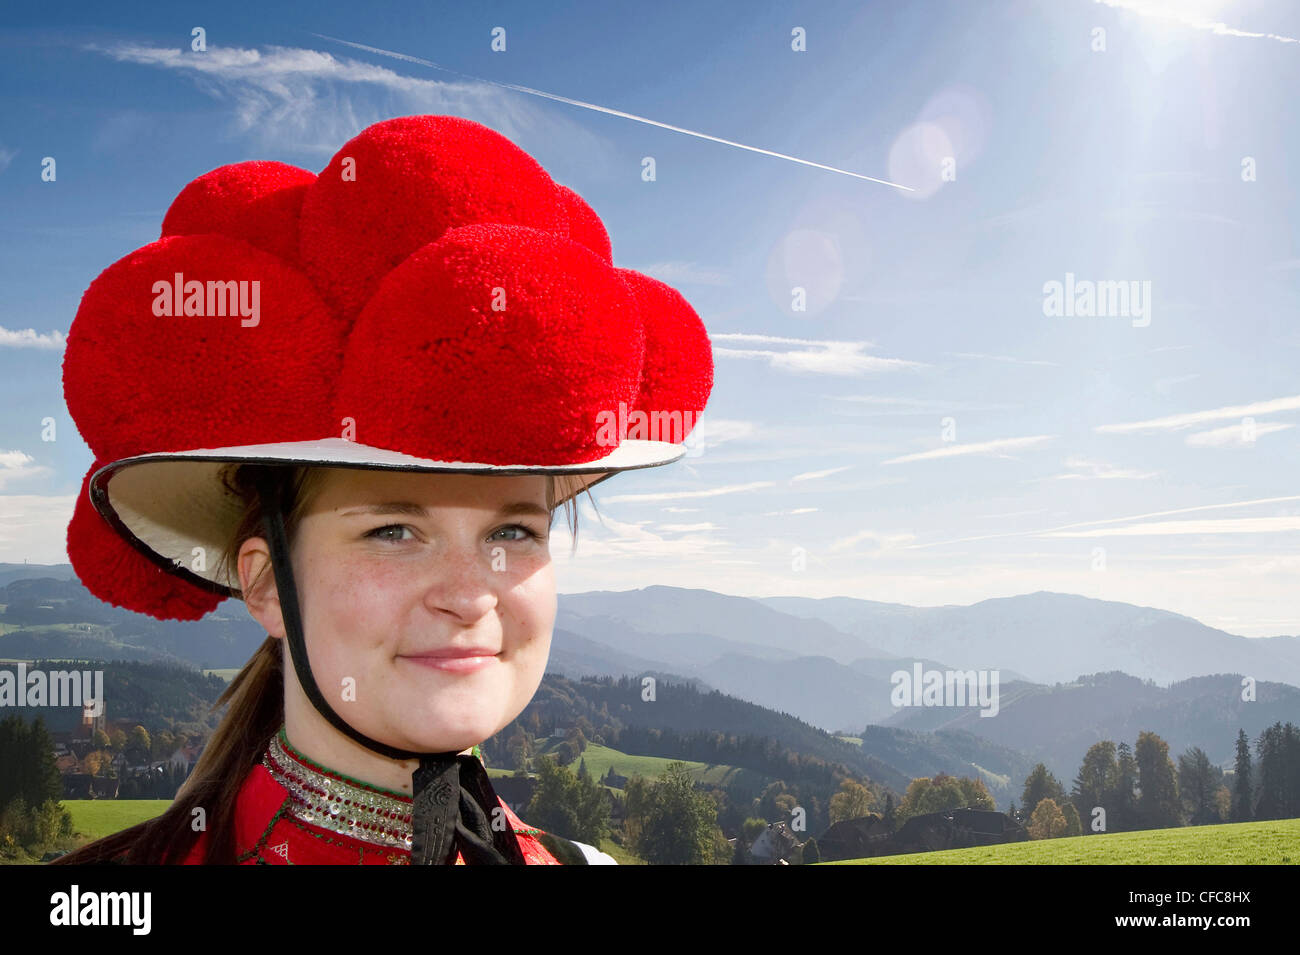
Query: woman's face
x=428, y=602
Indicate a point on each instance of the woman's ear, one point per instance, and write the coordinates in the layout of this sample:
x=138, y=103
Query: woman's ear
x=257, y=582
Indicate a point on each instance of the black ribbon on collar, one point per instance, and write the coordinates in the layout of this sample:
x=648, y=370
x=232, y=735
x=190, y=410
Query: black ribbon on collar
x=454, y=805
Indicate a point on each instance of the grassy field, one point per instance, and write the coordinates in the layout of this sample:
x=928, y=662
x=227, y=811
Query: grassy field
x=1276, y=842
x=600, y=758
x=103, y=817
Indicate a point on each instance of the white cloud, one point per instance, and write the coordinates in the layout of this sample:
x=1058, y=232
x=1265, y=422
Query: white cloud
x=1084, y=469
x=882, y=541
x=811, y=356
x=302, y=99
x=1234, y=435
x=996, y=447
x=30, y=338
x=813, y=475
x=35, y=528
x=1190, y=419
x=1185, y=13
x=18, y=466
x=685, y=495
x=1240, y=525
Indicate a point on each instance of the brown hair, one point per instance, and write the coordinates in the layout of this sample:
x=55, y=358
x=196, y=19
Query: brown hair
x=255, y=699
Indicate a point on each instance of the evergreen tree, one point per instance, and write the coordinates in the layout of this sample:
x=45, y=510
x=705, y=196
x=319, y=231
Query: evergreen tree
x=27, y=765
x=1124, y=817
x=1040, y=785
x=1198, y=782
x=1097, y=780
x=1279, y=772
x=1242, y=800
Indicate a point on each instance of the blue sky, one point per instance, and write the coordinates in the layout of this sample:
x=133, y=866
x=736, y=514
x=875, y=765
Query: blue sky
x=922, y=431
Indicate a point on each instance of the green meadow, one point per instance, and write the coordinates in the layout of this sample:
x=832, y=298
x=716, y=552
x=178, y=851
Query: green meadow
x=1274, y=842
x=103, y=817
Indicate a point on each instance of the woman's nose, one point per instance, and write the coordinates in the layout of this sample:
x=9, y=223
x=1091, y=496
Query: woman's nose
x=463, y=579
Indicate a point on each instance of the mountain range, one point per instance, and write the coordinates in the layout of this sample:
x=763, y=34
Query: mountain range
x=1072, y=670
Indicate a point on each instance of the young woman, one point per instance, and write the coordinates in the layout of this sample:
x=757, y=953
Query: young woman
x=424, y=352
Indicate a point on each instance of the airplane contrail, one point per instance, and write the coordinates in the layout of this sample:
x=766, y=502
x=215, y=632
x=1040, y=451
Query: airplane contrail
x=612, y=112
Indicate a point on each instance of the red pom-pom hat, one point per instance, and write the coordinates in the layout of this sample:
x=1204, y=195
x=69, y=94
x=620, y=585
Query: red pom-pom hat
x=432, y=301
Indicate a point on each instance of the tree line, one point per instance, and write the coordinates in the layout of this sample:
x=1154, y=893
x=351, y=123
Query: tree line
x=1122, y=789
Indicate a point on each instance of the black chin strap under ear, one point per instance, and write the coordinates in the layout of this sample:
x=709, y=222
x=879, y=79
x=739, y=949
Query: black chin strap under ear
x=453, y=796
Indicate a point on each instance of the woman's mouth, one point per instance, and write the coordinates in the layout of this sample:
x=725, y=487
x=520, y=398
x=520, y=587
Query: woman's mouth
x=465, y=660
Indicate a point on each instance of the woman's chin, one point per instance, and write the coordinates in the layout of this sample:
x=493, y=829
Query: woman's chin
x=448, y=732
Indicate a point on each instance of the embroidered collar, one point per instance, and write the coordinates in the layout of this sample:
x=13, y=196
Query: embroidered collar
x=330, y=800
x=321, y=797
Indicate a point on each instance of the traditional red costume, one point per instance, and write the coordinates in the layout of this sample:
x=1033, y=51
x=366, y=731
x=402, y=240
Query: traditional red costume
x=431, y=247
x=293, y=811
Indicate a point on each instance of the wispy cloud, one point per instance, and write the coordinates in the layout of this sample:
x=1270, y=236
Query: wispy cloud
x=1177, y=11
x=811, y=356
x=686, y=495
x=1051, y=531
x=30, y=338
x=1191, y=419
x=1233, y=435
x=1084, y=469
x=879, y=406
x=6, y=157
x=882, y=541
x=1240, y=525
x=611, y=112
x=995, y=448
x=300, y=98
x=813, y=475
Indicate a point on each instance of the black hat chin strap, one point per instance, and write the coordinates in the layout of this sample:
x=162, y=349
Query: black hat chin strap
x=452, y=795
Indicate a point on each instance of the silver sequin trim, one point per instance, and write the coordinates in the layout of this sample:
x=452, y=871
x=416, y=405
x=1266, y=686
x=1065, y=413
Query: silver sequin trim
x=340, y=806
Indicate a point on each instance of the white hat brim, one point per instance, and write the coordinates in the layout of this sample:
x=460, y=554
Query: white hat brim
x=167, y=504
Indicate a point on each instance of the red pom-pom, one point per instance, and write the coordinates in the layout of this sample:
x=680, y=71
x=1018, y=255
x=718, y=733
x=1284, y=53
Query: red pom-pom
x=584, y=225
x=137, y=381
x=677, y=377
x=118, y=574
x=256, y=201
x=399, y=184
x=494, y=323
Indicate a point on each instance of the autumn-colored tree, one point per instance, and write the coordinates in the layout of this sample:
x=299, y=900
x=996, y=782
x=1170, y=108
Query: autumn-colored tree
x=853, y=801
x=1047, y=821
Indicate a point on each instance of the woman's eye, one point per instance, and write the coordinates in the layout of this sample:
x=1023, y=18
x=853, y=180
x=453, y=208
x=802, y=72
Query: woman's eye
x=379, y=533
x=526, y=534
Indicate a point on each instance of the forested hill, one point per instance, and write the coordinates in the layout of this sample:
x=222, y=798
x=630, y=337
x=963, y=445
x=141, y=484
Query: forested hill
x=684, y=722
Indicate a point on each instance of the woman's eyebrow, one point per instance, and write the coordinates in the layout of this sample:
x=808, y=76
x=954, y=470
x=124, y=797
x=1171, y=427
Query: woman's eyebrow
x=416, y=510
